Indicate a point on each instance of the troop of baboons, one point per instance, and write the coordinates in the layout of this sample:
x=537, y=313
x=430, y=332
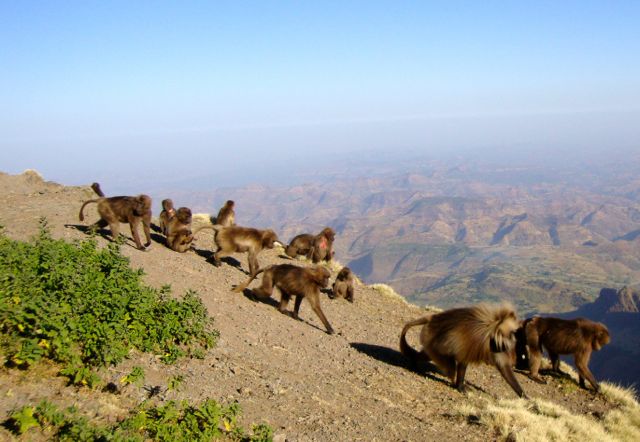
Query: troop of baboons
x=451, y=339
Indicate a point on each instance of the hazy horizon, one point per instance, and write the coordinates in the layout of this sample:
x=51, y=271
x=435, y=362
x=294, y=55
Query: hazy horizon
x=137, y=93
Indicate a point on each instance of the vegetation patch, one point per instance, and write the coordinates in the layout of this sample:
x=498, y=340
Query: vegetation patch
x=169, y=422
x=84, y=307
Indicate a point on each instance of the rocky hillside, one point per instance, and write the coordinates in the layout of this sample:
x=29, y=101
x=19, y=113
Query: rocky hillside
x=307, y=385
x=443, y=234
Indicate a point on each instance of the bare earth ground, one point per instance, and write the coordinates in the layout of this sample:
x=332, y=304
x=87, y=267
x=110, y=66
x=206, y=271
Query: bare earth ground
x=309, y=386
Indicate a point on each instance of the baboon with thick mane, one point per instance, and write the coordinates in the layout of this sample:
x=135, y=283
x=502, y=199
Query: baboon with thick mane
x=124, y=209
x=227, y=216
x=564, y=336
x=315, y=247
x=301, y=282
x=179, y=235
x=236, y=239
x=455, y=338
x=343, y=285
x=168, y=212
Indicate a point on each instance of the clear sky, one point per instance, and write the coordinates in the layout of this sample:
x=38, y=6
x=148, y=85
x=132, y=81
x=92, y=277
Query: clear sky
x=106, y=89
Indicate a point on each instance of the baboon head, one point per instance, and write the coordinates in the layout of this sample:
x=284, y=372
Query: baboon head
x=269, y=237
x=601, y=337
x=344, y=274
x=328, y=233
x=142, y=205
x=504, y=337
x=184, y=215
x=167, y=205
x=320, y=275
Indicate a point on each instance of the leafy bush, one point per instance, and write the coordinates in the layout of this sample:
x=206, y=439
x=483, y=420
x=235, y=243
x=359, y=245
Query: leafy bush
x=85, y=307
x=170, y=422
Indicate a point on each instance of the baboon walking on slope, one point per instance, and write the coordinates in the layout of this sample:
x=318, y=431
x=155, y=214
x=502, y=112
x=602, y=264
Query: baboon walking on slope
x=456, y=338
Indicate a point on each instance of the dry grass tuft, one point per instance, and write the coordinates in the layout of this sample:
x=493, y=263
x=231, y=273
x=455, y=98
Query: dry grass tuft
x=388, y=291
x=540, y=420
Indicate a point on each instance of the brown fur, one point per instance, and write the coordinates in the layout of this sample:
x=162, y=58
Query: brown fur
x=96, y=188
x=317, y=248
x=456, y=338
x=124, y=209
x=168, y=212
x=562, y=336
x=179, y=236
x=301, y=282
x=227, y=216
x=343, y=285
x=236, y=239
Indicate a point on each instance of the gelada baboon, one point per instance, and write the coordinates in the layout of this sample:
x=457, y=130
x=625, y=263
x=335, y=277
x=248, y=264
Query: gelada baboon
x=236, y=239
x=301, y=282
x=564, y=336
x=124, y=209
x=179, y=236
x=168, y=212
x=343, y=285
x=227, y=216
x=456, y=338
x=317, y=248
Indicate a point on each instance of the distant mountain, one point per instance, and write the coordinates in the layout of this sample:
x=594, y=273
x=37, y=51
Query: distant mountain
x=452, y=233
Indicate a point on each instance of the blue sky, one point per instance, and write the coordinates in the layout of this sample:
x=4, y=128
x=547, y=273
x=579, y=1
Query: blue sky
x=101, y=90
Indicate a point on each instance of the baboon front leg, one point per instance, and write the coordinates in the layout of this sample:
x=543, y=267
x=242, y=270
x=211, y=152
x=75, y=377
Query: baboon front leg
x=284, y=301
x=253, y=264
x=582, y=364
x=266, y=289
x=296, y=306
x=461, y=370
x=535, y=357
x=315, y=305
x=136, y=236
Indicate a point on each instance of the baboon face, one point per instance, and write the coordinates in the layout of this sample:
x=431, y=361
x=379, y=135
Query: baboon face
x=504, y=339
x=167, y=205
x=142, y=205
x=269, y=238
x=184, y=215
x=602, y=337
x=329, y=234
x=320, y=275
x=344, y=274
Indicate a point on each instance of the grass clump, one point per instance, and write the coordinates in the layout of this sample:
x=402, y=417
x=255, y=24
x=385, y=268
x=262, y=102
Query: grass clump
x=540, y=420
x=84, y=307
x=169, y=422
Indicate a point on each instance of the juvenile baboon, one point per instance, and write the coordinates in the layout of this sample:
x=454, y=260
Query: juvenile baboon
x=301, y=282
x=226, y=216
x=343, y=285
x=455, y=338
x=179, y=236
x=317, y=248
x=96, y=188
x=168, y=212
x=124, y=209
x=236, y=239
x=564, y=336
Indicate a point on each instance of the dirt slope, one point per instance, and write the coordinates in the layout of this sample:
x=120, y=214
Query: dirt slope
x=306, y=384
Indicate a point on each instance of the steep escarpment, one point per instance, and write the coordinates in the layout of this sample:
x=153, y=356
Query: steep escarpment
x=305, y=384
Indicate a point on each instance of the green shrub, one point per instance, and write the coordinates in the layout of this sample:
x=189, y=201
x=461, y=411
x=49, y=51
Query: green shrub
x=169, y=422
x=85, y=307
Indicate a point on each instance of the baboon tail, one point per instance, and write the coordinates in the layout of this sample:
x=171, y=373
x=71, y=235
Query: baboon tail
x=241, y=287
x=405, y=348
x=96, y=188
x=81, y=215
